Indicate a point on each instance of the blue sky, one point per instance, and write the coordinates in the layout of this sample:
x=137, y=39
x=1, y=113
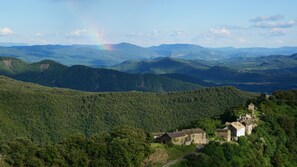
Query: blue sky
x=210, y=23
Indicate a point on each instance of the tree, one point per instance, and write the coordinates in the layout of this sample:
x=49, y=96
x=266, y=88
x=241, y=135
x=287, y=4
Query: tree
x=207, y=124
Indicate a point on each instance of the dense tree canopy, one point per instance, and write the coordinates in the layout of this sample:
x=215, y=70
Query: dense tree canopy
x=124, y=146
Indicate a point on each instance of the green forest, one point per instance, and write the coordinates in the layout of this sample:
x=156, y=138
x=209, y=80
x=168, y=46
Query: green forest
x=50, y=114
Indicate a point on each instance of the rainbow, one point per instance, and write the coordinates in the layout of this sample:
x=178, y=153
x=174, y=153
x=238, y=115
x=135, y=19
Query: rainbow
x=97, y=36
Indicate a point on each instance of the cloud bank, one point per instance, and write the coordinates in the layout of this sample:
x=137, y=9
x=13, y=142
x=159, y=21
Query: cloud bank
x=5, y=31
x=267, y=18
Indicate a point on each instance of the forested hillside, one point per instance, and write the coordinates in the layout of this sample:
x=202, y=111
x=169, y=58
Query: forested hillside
x=50, y=73
x=49, y=114
x=272, y=143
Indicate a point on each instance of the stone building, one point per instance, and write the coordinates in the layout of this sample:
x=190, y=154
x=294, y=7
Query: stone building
x=224, y=134
x=237, y=130
x=264, y=96
x=248, y=126
x=251, y=107
x=184, y=137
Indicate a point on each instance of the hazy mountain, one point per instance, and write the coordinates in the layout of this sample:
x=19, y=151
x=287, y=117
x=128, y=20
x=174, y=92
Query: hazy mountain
x=107, y=55
x=186, y=51
x=85, y=78
x=8, y=44
x=250, y=74
x=80, y=54
x=254, y=51
x=196, y=52
x=159, y=66
x=261, y=63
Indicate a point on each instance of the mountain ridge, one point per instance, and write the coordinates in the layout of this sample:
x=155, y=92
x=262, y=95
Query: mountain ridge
x=112, y=54
x=79, y=77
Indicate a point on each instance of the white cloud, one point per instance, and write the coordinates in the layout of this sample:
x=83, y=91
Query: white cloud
x=278, y=31
x=233, y=27
x=285, y=24
x=5, y=31
x=274, y=32
x=178, y=33
x=133, y=34
x=153, y=34
x=39, y=34
x=241, y=40
x=77, y=33
x=272, y=22
x=267, y=18
x=219, y=32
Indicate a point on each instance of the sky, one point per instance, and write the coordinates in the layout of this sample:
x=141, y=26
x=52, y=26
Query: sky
x=209, y=23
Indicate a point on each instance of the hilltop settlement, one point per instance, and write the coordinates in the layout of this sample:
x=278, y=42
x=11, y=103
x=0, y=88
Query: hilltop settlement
x=230, y=133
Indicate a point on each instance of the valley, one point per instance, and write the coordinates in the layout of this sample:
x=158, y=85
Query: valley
x=261, y=74
x=148, y=83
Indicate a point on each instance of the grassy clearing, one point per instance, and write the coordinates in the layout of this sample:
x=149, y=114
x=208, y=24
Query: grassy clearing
x=163, y=153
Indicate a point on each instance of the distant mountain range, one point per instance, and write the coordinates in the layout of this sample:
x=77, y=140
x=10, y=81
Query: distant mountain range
x=266, y=74
x=158, y=75
x=85, y=78
x=107, y=55
x=170, y=67
x=187, y=51
x=255, y=51
x=79, y=54
x=8, y=44
x=260, y=63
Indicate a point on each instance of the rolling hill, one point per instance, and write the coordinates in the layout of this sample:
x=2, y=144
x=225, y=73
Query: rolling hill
x=50, y=114
x=159, y=66
x=260, y=79
x=261, y=63
x=85, y=78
